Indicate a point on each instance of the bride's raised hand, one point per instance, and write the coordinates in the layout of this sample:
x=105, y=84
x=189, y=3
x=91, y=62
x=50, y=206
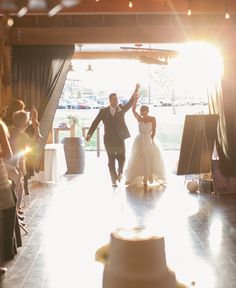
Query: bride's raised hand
x=137, y=87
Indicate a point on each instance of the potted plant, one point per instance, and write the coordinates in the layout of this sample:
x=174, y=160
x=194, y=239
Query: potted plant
x=72, y=120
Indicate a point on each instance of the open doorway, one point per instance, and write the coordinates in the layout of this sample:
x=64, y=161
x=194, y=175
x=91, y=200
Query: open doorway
x=171, y=91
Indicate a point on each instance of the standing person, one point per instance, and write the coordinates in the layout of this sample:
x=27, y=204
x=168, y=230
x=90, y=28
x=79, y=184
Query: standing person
x=20, y=141
x=146, y=161
x=115, y=132
x=14, y=106
x=6, y=197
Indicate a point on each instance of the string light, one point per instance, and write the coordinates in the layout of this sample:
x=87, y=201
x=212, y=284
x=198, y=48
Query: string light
x=227, y=15
x=10, y=22
x=189, y=9
x=130, y=4
x=189, y=12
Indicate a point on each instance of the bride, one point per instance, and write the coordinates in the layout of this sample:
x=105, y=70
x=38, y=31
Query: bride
x=146, y=161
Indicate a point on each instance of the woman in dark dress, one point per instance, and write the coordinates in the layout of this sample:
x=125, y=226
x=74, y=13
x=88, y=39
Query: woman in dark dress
x=7, y=201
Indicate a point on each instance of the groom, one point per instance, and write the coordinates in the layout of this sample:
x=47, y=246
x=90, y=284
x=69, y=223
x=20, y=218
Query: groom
x=115, y=132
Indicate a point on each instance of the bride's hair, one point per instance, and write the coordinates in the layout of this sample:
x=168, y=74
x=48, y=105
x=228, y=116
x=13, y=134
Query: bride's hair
x=144, y=108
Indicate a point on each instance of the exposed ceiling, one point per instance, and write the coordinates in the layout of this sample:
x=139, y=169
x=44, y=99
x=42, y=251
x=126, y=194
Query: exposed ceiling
x=107, y=23
x=75, y=7
x=146, y=53
x=23, y=7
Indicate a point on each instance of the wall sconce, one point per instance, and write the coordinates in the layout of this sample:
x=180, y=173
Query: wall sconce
x=22, y=7
x=54, y=7
x=130, y=4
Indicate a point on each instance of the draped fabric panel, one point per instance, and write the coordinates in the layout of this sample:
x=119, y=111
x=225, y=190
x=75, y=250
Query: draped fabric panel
x=38, y=77
x=222, y=101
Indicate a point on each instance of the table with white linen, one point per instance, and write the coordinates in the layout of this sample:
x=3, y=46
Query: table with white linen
x=54, y=164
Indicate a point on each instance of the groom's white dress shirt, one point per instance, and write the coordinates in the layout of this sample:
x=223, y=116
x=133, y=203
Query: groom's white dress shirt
x=112, y=110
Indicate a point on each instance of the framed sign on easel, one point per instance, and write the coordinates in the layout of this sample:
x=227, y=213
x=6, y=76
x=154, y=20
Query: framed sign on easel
x=197, y=144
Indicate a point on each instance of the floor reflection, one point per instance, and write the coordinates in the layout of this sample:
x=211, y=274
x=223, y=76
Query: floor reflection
x=70, y=221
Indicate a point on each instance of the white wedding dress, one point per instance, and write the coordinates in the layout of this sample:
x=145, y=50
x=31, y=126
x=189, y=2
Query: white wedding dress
x=146, y=158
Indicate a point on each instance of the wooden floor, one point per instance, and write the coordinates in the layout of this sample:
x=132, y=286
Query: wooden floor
x=68, y=222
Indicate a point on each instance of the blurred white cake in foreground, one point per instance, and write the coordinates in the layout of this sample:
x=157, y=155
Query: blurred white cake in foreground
x=137, y=263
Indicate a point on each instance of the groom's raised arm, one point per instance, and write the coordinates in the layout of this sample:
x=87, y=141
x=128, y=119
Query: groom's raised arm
x=132, y=99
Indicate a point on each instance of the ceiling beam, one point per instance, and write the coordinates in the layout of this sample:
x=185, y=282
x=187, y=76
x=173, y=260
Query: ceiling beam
x=102, y=35
x=138, y=28
x=131, y=54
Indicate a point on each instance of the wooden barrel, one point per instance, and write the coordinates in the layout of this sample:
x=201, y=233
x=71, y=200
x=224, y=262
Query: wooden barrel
x=74, y=148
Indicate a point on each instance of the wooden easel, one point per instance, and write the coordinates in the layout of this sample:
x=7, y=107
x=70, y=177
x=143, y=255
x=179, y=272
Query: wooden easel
x=197, y=144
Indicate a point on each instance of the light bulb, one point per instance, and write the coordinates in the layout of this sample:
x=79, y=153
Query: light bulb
x=189, y=13
x=227, y=16
x=10, y=22
x=130, y=4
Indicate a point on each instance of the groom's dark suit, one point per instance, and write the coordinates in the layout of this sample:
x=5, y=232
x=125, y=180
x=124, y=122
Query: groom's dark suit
x=115, y=132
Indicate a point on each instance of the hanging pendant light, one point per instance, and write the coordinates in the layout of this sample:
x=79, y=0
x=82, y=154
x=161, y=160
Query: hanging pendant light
x=227, y=15
x=89, y=69
x=189, y=13
x=71, y=69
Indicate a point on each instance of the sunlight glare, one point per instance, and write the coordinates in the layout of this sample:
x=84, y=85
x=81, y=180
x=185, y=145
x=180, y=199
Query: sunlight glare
x=112, y=73
x=215, y=236
x=198, y=65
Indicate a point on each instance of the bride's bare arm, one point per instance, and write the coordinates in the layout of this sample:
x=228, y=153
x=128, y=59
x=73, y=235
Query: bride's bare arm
x=136, y=115
x=154, y=125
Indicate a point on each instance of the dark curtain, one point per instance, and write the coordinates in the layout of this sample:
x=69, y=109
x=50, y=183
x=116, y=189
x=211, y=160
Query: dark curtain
x=223, y=102
x=38, y=78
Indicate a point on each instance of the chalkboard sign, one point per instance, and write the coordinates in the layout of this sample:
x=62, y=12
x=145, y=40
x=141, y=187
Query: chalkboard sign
x=197, y=144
